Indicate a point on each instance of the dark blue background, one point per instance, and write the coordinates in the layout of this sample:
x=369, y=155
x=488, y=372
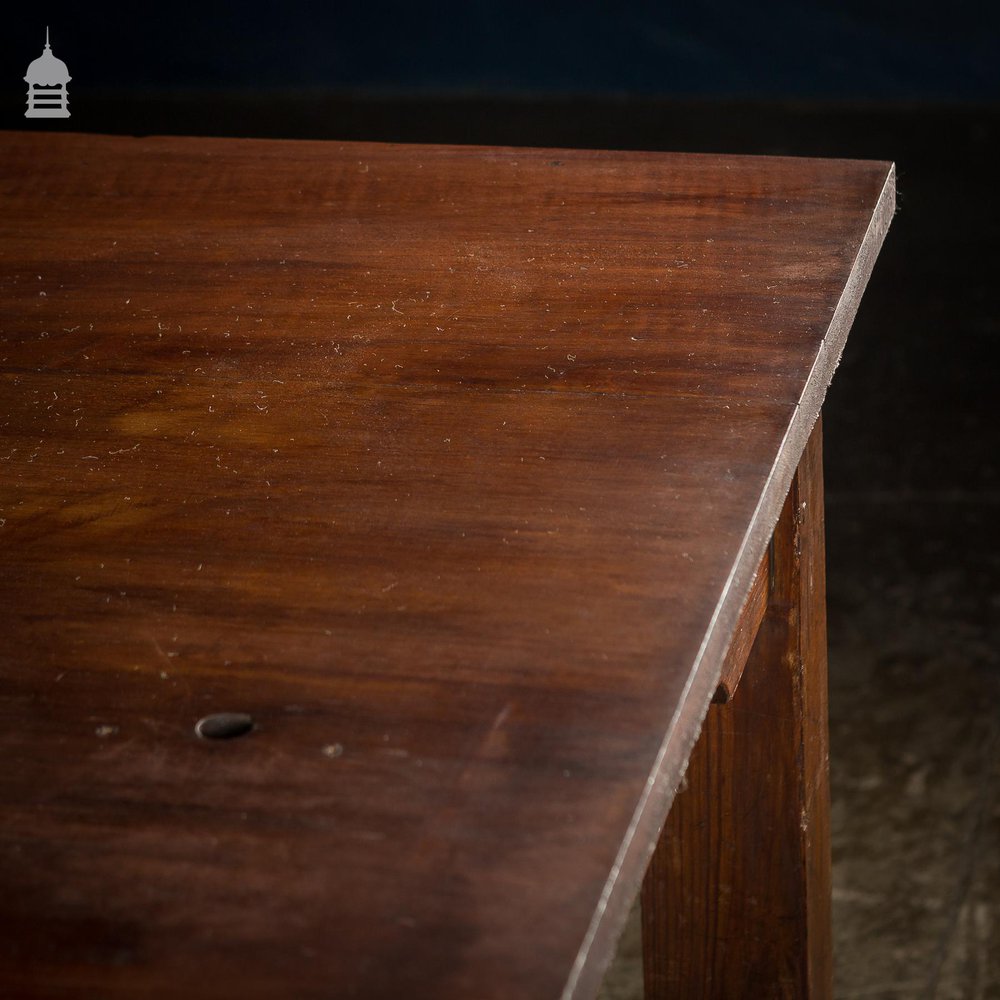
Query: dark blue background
x=858, y=49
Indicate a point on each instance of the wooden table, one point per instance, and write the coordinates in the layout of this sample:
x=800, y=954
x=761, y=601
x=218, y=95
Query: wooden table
x=452, y=468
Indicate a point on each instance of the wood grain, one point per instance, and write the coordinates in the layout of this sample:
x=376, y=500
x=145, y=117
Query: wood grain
x=451, y=467
x=751, y=615
x=736, y=901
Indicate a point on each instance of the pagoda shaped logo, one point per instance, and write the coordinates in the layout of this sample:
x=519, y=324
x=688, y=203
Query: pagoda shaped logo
x=47, y=78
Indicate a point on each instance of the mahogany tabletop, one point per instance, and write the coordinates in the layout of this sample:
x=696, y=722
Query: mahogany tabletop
x=450, y=467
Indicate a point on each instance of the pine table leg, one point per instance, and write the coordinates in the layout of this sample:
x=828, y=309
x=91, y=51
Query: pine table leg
x=736, y=900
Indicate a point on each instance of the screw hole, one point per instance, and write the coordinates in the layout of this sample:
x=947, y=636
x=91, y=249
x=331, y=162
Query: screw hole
x=224, y=726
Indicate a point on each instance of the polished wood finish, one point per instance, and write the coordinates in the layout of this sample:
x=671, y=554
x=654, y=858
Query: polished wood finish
x=451, y=468
x=736, y=901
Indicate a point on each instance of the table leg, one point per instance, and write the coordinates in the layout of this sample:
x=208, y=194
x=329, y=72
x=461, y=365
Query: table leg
x=736, y=900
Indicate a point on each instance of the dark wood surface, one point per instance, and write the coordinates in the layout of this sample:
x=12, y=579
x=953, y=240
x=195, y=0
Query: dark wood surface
x=736, y=899
x=751, y=615
x=452, y=468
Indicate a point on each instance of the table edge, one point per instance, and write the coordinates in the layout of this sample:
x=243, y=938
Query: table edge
x=625, y=878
